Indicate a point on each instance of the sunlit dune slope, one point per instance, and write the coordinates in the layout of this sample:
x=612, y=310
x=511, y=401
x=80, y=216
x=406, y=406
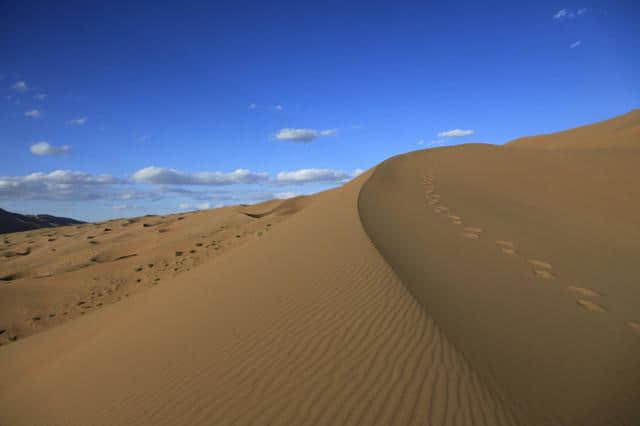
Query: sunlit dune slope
x=50, y=276
x=305, y=325
x=527, y=260
x=619, y=132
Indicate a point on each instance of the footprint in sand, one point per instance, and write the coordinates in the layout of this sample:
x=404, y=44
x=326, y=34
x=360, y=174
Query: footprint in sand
x=590, y=305
x=543, y=273
x=472, y=233
x=542, y=269
x=539, y=263
x=635, y=325
x=441, y=209
x=584, y=292
x=474, y=230
x=507, y=247
x=455, y=219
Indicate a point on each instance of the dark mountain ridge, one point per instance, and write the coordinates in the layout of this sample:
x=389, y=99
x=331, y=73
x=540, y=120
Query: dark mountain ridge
x=15, y=222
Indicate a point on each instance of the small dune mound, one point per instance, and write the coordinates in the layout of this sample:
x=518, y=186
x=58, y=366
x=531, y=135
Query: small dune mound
x=24, y=252
x=11, y=277
x=278, y=207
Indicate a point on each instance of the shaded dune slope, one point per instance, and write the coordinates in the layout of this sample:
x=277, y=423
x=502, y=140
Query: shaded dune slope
x=307, y=325
x=527, y=260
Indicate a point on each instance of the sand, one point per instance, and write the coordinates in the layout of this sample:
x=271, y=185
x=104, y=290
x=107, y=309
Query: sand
x=50, y=276
x=619, y=132
x=475, y=284
x=306, y=324
x=537, y=285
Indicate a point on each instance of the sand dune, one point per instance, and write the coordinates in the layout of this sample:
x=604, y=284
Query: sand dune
x=306, y=325
x=534, y=279
x=468, y=285
x=619, y=132
x=54, y=275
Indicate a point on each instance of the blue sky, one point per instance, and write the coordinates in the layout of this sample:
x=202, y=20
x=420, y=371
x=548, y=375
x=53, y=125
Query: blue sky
x=110, y=109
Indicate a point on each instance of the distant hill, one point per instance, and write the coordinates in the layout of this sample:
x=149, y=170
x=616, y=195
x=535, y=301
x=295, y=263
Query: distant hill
x=14, y=222
x=622, y=131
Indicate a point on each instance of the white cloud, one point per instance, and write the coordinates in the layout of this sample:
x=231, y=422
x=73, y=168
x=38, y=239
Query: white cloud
x=57, y=185
x=328, y=132
x=560, y=14
x=312, y=175
x=126, y=207
x=44, y=148
x=40, y=96
x=284, y=195
x=220, y=195
x=20, y=86
x=165, y=176
x=437, y=142
x=34, y=113
x=455, y=133
x=70, y=177
x=302, y=135
x=563, y=14
x=278, y=108
x=200, y=206
x=78, y=121
x=575, y=44
x=253, y=106
x=134, y=194
x=297, y=135
x=357, y=172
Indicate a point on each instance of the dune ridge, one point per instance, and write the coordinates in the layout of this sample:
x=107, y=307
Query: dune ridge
x=521, y=260
x=306, y=325
x=620, y=132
